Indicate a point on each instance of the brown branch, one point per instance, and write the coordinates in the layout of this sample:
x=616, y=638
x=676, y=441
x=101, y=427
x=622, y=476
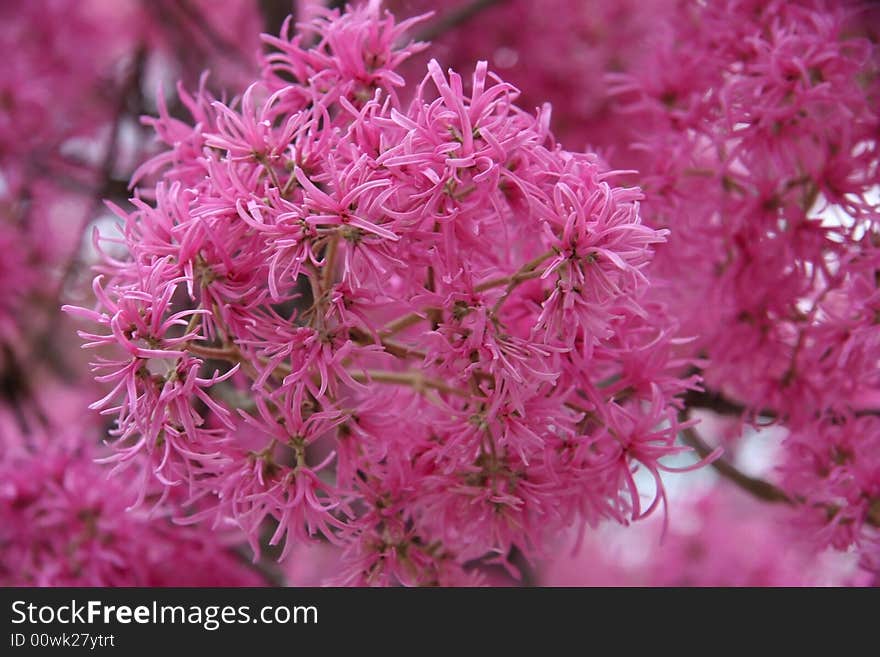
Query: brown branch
x=391, y=346
x=714, y=401
x=275, y=12
x=401, y=350
x=718, y=403
x=329, y=262
x=221, y=44
x=229, y=353
x=527, y=271
x=403, y=323
x=415, y=380
x=454, y=18
x=434, y=314
x=761, y=489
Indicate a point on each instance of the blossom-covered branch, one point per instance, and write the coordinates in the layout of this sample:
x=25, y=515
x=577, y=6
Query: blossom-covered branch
x=459, y=382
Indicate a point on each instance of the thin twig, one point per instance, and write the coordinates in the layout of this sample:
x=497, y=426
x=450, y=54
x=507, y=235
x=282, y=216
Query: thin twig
x=714, y=401
x=391, y=346
x=761, y=489
x=527, y=271
x=329, y=262
x=718, y=403
x=402, y=323
x=229, y=353
x=415, y=380
x=523, y=273
x=764, y=490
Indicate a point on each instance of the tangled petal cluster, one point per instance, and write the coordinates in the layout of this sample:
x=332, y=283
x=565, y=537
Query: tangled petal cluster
x=833, y=466
x=556, y=51
x=64, y=523
x=757, y=133
x=416, y=330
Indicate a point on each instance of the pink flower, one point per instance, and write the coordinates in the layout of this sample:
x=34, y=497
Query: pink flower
x=408, y=329
x=64, y=523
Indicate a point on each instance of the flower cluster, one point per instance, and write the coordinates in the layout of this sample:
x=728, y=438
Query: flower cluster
x=76, y=74
x=556, y=51
x=64, y=523
x=412, y=328
x=757, y=145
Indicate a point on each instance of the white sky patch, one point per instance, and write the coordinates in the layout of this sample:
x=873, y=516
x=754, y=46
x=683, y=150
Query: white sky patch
x=109, y=227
